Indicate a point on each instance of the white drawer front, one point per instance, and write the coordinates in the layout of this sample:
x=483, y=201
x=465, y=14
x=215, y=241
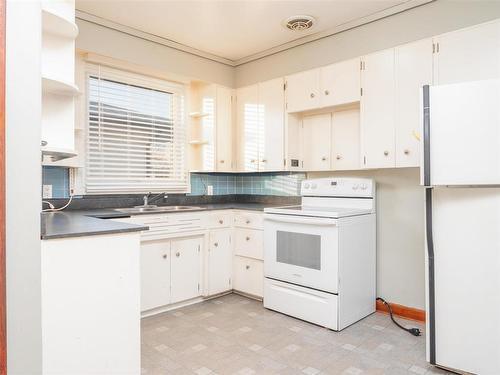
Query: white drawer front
x=307, y=304
x=249, y=243
x=220, y=219
x=247, y=219
x=248, y=276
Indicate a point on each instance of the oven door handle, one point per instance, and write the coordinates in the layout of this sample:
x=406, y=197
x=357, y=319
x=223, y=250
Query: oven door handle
x=301, y=220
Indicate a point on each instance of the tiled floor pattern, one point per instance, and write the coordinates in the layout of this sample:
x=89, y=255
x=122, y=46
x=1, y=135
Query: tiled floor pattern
x=236, y=335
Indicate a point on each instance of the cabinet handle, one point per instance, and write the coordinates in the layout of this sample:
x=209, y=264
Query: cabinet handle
x=44, y=143
x=406, y=152
x=248, y=221
x=164, y=256
x=222, y=161
x=264, y=161
x=247, y=267
x=323, y=158
x=177, y=254
x=252, y=161
x=338, y=157
x=221, y=221
x=312, y=95
x=216, y=244
x=247, y=238
x=386, y=153
x=327, y=92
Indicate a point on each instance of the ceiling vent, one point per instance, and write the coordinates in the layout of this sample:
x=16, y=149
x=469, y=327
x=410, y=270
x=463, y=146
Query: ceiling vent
x=299, y=23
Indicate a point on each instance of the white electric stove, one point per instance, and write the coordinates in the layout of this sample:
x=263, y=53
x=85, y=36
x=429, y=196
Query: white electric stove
x=320, y=257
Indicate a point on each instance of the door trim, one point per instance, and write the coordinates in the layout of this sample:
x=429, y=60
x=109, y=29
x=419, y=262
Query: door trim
x=3, y=281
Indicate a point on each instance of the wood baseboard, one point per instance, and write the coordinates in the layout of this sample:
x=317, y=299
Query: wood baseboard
x=403, y=311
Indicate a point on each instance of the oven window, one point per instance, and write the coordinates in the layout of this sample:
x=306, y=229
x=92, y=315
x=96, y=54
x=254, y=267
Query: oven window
x=299, y=249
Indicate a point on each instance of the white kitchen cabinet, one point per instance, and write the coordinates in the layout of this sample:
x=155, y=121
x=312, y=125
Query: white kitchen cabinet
x=249, y=243
x=317, y=142
x=271, y=127
x=224, y=129
x=155, y=274
x=185, y=267
x=248, y=276
x=413, y=64
x=470, y=54
x=345, y=139
x=378, y=110
x=247, y=112
x=303, y=91
x=220, y=261
x=340, y=83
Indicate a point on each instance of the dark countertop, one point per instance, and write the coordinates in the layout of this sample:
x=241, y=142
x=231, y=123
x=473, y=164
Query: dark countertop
x=79, y=223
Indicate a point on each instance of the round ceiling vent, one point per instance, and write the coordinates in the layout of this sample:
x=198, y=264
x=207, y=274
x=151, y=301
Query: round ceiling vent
x=299, y=23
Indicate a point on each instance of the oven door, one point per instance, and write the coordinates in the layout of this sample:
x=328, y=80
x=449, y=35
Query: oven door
x=302, y=250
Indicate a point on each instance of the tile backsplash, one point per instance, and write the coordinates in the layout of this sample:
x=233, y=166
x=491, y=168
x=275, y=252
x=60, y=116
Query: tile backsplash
x=58, y=177
x=269, y=183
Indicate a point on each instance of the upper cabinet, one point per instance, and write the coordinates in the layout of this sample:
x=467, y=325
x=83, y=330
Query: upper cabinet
x=345, y=139
x=332, y=85
x=378, y=110
x=470, y=54
x=261, y=119
x=317, y=142
x=224, y=129
x=413, y=70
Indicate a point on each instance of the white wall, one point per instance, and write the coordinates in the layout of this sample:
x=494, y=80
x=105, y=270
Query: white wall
x=23, y=188
x=400, y=233
x=111, y=43
x=417, y=23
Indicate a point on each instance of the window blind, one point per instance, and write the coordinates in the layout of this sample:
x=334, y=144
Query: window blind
x=136, y=134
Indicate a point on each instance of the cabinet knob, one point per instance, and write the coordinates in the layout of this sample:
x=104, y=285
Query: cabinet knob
x=164, y=256
x=247, y=238
x=222, y=161
x=323, y=158
x=386, y=153
x=406, y=152
x=312, y=95
x=216, y=244
x=44, y=143
x=264, y=160
x=177, y=254
x=327, y=92
x=248, y=221
x=247, y=267
x=221, y=221
x=338, y=157
x=252, y=161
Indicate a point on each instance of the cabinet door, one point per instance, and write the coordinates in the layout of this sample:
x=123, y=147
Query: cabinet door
x=345, y=139
x=224, y=127
x=155, y=274
x=317, y=138
x=302, y=91
x=247, y=103
x=248, y=276
x=272, y=121
x=413, y=70
x=185, y=268
x=220, y=261
x=470, y=54
x=377, y=110
x=340, y=83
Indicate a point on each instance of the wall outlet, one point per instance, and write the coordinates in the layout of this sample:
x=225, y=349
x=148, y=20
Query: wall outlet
x=210, y=190
x=47, y=191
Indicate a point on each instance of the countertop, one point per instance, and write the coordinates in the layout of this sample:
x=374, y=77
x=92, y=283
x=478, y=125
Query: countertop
x=78, y=223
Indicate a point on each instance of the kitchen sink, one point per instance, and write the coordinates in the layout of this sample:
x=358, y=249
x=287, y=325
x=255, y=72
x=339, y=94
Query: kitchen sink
x=138, y=210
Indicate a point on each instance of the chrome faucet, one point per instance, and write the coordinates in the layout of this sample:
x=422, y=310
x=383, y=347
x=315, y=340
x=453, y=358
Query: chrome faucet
x=147, y=198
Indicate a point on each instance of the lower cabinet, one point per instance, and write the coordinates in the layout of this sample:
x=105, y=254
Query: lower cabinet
x=155, y=274
x=220, y=261
x=248, y=276
x=185, y=266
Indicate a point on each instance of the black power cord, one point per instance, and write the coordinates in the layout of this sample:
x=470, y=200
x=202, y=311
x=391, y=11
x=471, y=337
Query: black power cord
x=412, y=331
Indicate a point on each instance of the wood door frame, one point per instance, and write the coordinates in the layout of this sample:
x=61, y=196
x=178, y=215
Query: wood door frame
x=3, y=283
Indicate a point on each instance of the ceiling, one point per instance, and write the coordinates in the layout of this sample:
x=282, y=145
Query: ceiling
x=235, y=31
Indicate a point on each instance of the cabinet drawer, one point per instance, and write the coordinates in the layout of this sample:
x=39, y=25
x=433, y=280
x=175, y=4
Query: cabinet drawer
x=248, y=276
x=249, y=243
x=220, y=219
x=247, y=219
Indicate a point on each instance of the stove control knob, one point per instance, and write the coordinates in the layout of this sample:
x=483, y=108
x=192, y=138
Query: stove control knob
x=306, y=186
x=364, y=186
x=355, y=187
x=313, y=186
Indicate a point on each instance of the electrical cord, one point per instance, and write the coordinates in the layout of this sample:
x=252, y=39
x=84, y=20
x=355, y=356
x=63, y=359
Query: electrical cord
x=412, y=331
x=53, y=209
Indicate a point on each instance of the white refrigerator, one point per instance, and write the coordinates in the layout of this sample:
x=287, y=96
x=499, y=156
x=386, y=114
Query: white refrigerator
x=461, y=174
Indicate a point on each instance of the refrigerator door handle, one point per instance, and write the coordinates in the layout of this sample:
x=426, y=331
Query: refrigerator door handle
x=426, y=137
x=431, y=279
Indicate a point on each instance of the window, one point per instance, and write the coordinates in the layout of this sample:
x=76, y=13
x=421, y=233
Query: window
x=136, y=134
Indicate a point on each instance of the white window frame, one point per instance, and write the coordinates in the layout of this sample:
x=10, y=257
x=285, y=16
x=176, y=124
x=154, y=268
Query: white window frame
x=119, y=75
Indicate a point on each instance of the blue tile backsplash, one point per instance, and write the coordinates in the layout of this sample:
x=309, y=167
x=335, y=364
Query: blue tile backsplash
x=58, y=177
x=275, y=183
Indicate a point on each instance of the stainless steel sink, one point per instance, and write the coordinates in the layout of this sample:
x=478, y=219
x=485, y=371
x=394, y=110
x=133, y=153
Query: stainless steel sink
x=138, y=210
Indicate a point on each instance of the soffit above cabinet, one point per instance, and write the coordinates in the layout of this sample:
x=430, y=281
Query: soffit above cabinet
x=234, y=32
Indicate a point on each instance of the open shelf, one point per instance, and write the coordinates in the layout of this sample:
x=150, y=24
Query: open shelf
x=55, y=154
x=198, y=114
x=58, y=87
x=55, y=24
